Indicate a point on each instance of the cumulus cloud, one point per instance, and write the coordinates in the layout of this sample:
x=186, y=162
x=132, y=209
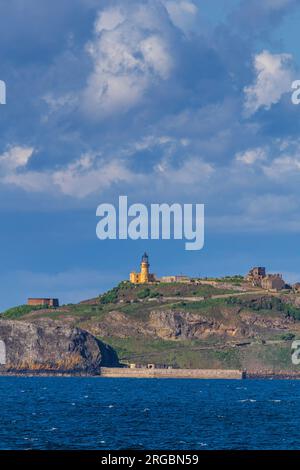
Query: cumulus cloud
x=89, y=175
x=284, y=167
x=15, y=157
x=274, y=75
x=251, y=156
x=131, y=52
x=184, y=129
x=81, y=178
x=192, y=171
x=184, y=14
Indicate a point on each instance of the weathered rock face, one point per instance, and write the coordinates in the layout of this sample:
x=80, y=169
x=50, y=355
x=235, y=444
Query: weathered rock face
x=170, y=325
x=186, y=325
x=119, y=325
x=53, y=346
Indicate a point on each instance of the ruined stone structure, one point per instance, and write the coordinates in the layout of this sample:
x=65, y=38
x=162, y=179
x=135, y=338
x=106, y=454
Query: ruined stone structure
x=273, y=282
x=170, y=279
x=259, y=278
x=296, y=287
x=43, y=302
x=256, y=275
x=144, y=276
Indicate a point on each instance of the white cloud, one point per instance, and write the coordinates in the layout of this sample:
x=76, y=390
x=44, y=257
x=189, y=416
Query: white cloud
x=131, y=53
x=274, y=75
x=15, y=157
x=156, y=55
x=251, y=156
x=109, y=19
x=87, y=176
x=192, y=171
x=183, y=14
x=284, y=167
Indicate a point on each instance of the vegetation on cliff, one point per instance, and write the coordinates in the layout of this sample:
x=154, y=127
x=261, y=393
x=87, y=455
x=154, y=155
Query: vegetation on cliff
x=185, y=325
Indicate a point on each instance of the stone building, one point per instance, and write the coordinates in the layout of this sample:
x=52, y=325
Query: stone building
x=170, y=279
x=273, y=282
x=43, y=302
x=259, y=278
x=144, y=276
x=256, y=275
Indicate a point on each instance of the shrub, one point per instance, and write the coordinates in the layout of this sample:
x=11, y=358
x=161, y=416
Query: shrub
x=287, y=337
x=110, y=297
x=21, y=310
x=143, y=294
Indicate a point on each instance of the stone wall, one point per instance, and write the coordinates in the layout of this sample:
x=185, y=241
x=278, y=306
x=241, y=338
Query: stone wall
x=171, y=373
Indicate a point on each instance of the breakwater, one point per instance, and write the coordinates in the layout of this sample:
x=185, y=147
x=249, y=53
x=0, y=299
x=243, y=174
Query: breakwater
x=171, y=373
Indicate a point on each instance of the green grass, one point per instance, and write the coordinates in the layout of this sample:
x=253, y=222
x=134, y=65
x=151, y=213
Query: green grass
x=201, y=305
x=129, y=292
x=203, y=355
x=183, y=354
x=20, y=311
x=266, y=304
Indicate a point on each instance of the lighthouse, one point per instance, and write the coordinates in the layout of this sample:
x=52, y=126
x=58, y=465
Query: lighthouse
x=144, y=276
x=145, y=269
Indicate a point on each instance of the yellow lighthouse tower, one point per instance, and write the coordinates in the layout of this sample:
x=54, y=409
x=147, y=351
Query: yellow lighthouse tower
x=144, y=276
x=145, y=269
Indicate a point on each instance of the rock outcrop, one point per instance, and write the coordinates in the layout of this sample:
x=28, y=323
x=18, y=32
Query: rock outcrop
x=182, y=325
x=53, y=346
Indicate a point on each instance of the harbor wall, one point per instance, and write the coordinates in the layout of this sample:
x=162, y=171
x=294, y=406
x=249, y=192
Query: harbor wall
x=171, y=373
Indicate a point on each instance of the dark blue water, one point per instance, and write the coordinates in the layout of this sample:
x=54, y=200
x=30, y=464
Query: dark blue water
x=95, y=413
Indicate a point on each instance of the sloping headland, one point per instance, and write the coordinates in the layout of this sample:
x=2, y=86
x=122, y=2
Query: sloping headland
x=228, y=325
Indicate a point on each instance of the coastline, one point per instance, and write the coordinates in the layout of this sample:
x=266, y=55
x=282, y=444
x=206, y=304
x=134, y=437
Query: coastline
x=195, y=374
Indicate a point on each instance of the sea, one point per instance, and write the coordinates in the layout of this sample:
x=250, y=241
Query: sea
x=54, y=413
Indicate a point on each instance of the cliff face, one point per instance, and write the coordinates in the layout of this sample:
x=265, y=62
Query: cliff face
x=186, y=325
x=170, y=325
x=53, y=346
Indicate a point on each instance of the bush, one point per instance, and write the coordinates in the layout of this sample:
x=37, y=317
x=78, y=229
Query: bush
x=287, y=337
x=109, y=297
x=267, y=303
x=21, y=310
x=154, y=295
x=143, y=294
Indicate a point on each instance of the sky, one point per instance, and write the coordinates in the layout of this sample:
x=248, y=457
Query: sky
x=164, y=101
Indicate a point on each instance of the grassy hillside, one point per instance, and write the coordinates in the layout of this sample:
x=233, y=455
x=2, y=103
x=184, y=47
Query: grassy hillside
x=186, y=325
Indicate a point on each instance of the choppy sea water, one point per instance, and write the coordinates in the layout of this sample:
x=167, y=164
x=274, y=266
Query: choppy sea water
x=99, y=413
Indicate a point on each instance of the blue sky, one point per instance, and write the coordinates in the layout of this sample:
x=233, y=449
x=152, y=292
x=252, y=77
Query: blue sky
x=161, y=100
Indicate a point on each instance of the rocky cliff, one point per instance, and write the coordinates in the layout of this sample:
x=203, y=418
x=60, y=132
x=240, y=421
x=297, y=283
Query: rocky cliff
x=53, y=346
x=180, y=325
x=153, y=324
